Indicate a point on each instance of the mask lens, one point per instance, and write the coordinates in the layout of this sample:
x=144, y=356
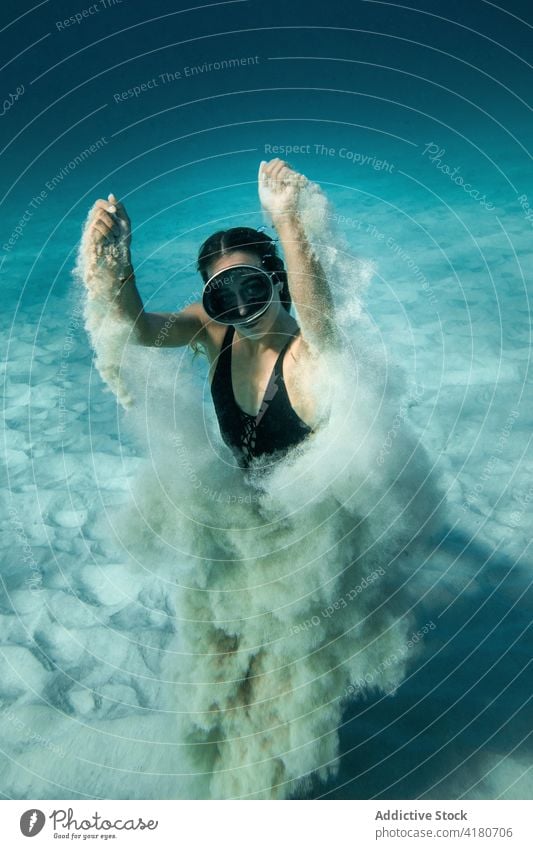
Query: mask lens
x=238, y=294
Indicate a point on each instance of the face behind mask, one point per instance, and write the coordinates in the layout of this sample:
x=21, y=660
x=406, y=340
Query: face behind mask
x=238, y=295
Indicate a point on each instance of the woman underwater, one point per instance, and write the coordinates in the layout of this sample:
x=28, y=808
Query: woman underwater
x=289, y=603
x=261, y=360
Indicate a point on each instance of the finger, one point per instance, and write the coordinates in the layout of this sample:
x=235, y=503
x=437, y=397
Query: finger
x=283, y=170
x=271, y=166
x=97, y=206
x=103, y=230
x=112, y=203
x=114, y=200
x=108, y=219
x=285, y=174
x=103, y=204
x=280, y=181
x=119, y=206
x=99, y=238
x=109, y=232
x=101, y=210
x=277, y=168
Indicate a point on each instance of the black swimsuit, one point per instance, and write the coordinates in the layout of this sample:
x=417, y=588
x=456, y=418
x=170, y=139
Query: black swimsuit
x=275, y=428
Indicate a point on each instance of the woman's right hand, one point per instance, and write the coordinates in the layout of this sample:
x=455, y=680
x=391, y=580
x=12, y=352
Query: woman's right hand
x=110, y=230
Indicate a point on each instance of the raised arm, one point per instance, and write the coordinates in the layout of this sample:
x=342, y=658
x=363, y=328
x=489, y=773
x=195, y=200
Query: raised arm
x=279, y=187
x=109, y=236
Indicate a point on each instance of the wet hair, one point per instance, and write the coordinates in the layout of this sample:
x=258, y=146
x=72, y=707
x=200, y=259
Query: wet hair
x=224, y=242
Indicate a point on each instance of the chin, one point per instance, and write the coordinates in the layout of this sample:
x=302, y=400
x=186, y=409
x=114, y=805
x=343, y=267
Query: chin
x=261, y=325
x=256, y=330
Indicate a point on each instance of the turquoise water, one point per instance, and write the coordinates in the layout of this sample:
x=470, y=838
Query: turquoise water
x=416, y=125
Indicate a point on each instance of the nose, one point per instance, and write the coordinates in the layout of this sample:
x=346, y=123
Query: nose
x=241, y=306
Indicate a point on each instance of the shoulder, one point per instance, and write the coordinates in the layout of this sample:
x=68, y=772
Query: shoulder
x=210, y=329
x=213, y=334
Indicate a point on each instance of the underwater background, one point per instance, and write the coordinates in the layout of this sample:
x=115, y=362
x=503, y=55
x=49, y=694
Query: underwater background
x=415, y=121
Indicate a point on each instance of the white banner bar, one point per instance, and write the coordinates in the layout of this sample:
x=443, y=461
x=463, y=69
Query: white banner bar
x=263, y=825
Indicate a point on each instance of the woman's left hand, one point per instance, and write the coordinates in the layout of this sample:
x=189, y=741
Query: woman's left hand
x=279, y=188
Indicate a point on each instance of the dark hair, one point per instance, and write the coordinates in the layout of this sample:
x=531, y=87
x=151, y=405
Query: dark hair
x=243, y=238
